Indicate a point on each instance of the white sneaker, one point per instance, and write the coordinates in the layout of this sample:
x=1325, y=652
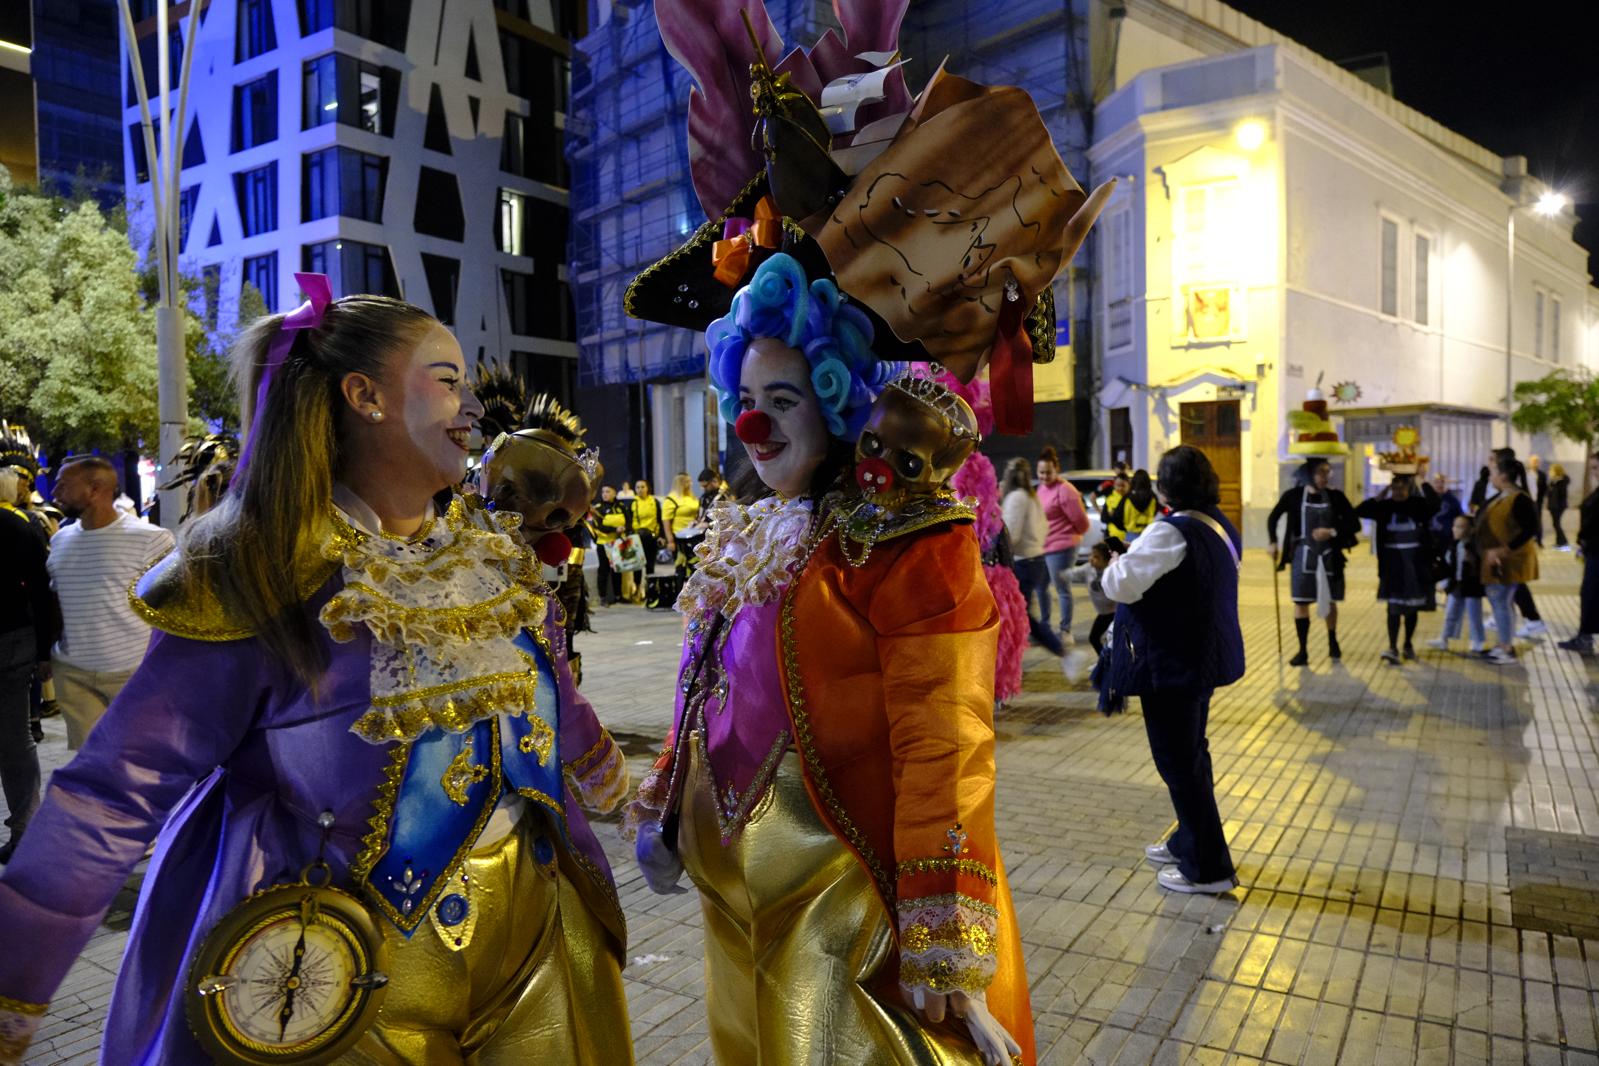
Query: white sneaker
x=1172, y=880
x=1157, y=854
x=1532, y=629
x=1475, y=648
x=1489, y=623
x=1501, y=656
x=1438, y=644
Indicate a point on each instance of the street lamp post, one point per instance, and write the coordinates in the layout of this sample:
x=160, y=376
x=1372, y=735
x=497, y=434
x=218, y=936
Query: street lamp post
x=1549, y=204
x=164, y=168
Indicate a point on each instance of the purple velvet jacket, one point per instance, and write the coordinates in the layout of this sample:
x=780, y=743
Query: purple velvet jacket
x=230, y=760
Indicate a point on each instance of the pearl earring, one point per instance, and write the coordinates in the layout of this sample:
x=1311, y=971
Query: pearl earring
x=377, y=416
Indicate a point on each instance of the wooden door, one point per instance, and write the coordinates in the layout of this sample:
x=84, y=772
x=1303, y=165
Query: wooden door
x=1214, y=428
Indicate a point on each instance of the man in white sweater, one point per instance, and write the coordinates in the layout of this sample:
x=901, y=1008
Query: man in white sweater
x=93, y=562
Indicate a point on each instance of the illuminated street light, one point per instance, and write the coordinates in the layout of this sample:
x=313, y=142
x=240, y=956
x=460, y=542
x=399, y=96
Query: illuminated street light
x=1250, y=134
x=1550, y=203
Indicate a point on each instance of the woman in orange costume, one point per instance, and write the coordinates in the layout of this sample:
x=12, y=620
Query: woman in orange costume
x=829, y=783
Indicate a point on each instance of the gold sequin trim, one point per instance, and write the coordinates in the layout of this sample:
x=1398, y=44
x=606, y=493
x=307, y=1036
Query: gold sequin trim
x=805, y=740
x=452, y=713
x=604, y=784
x=377, y=836
x=942, y=976
x=969, y=867
x=948, y=899
x=17, y=1006
x=580, y=765
x=733, y=810
x=919, y=938
x=397, y=625
x=462, y=774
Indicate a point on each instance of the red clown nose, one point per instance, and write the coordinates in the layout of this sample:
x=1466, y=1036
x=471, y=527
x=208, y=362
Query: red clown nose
x=874, y=476
x=553, y=549
x=753, y=427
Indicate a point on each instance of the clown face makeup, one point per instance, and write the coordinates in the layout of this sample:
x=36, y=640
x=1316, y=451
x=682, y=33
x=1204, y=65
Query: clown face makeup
x=788, y=446
x=912, y=447
x=433, y=426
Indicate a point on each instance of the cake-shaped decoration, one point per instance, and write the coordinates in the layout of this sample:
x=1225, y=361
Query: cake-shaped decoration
x=1313, y=431
x=1406, y=458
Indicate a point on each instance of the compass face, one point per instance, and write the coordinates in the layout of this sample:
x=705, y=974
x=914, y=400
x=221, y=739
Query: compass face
x=260, y=1007
x=291, y=975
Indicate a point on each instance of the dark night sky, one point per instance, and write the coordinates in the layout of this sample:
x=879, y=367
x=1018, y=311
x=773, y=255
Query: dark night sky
x=1519, y=79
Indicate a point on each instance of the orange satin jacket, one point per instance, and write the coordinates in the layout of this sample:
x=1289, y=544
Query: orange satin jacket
x=889, y=673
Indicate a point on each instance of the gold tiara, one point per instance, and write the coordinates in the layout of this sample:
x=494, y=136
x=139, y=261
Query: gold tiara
x=921, y=386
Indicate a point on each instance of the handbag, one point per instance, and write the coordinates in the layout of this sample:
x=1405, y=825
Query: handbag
x=626, y=553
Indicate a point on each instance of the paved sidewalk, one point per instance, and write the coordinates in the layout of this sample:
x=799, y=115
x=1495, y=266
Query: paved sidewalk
x=1419, y=847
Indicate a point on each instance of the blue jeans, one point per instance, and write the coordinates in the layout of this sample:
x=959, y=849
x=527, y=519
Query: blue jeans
x=1060, y=573
x=1033, y=577
x=1504, y=613
x=1467, y=608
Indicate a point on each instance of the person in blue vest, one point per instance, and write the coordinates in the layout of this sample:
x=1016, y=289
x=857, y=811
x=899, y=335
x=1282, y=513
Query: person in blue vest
x=1176, y=640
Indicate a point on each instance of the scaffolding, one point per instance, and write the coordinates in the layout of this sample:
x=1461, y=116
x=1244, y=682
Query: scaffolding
x=632, y=201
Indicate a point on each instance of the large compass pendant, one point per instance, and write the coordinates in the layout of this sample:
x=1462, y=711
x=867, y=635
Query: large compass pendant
x=294, y=974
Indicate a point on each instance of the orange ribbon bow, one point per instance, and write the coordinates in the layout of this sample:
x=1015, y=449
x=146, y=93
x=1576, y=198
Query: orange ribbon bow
x=740, y=238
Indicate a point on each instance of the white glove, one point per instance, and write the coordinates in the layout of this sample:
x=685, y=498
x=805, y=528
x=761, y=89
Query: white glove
x=992, y=1041
x=658, y=863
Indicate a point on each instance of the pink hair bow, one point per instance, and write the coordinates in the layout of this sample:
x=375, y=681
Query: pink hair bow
x=318, y=295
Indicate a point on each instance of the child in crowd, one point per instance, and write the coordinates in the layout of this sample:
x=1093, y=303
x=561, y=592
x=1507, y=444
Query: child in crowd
x=1463, y=574
x=1099, y=557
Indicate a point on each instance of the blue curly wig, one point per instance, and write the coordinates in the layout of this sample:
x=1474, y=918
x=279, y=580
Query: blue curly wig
x=812, y=317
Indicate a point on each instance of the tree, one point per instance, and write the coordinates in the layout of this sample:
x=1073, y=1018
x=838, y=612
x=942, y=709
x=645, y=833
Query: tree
x=1564, y=402
x=77, y=339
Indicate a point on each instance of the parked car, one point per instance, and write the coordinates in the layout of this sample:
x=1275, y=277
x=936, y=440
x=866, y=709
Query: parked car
x=1094, y=487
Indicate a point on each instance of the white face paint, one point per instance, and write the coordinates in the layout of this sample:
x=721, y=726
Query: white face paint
x=776, y=380
x=436, y=409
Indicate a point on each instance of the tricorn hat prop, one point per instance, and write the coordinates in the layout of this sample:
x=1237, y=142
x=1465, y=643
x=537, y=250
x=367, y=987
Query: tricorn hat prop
x=948, y=217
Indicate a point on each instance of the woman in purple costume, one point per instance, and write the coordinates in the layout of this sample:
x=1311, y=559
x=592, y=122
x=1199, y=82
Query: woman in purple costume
x=326, y=640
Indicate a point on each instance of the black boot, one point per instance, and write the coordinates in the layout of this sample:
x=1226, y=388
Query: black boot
x=1334, y=652
x=1302, y=631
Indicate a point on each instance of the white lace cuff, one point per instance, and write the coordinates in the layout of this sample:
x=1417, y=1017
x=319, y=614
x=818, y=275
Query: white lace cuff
x=947, y=943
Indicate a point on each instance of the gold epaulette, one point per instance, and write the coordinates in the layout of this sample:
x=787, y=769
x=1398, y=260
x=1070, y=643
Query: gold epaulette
x=171, y=600
x=868, y=524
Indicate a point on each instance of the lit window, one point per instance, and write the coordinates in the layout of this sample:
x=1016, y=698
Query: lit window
x=509, y=234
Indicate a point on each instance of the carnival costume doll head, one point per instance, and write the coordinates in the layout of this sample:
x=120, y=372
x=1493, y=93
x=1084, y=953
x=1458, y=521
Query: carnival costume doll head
x=537, y=463
x=794, y=373
x=367, y=391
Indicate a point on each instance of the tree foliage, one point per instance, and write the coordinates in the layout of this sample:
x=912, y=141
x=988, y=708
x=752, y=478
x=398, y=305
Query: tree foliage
x=77, y=337
x=1564, y=402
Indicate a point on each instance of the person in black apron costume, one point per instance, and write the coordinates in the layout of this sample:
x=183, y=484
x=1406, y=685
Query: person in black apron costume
x=1401, y=517
x=1321, y=527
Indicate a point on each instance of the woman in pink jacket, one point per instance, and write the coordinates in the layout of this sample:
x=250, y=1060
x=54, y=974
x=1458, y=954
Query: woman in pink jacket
x=1068, y=521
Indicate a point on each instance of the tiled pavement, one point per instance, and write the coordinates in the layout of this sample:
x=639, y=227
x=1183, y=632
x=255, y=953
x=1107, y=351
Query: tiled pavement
x=1383, y=819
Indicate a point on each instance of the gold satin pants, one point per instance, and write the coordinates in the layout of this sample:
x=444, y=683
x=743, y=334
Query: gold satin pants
x=798, y=947
x=538, y=981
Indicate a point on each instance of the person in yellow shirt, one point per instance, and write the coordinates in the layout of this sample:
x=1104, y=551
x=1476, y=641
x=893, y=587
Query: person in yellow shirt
x=684, y=529
x=1131, y=508
x=609, y=522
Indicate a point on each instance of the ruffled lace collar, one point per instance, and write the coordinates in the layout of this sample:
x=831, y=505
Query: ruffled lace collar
x=443, y=608
x=749, y=555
